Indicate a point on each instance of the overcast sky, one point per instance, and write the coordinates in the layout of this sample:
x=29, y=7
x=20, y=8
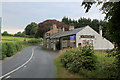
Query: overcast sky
x=16, y=15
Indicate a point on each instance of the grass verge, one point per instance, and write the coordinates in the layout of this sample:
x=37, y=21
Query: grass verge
x=61, y=72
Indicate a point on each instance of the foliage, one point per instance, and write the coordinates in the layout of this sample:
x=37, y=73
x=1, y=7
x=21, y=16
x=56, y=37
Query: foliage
x=35, y=40
x=82, y=22
x=19, y=34
x=76, y=59
x=10, y=48
x=4, y=50
x=105, y=66
x=5, y=33
x=31, y=29
x=47, y=25
x=111, y=9
x=111, y=52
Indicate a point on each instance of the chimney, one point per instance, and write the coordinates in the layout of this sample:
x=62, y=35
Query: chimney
x=100, y=30
x=71, y=28
x=63, y=29
x=54, y=25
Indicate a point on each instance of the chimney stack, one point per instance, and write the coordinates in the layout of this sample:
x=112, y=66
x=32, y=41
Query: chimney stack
x=63, y=29
x=71, y=28
x=100, y=30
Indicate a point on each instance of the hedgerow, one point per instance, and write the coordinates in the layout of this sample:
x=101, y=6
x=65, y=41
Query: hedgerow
x=10, y=48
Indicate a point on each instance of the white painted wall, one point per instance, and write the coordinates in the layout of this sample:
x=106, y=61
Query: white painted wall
x=99, y=42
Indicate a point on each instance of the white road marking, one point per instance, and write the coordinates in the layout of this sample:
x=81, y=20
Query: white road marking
x=8, y=77
x=19, y=66
x=24, y=66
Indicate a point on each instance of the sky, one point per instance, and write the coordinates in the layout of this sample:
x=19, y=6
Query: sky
x=17, y=15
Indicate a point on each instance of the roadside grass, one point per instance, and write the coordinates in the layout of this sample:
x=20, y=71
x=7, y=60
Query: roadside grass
x=106, y=68
x=61, y=72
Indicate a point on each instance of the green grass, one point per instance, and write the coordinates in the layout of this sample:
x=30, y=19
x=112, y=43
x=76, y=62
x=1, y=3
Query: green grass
x=15, y=39
x=62, y=72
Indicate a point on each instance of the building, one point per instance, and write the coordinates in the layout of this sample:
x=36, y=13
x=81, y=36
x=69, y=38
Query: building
x=77, y=38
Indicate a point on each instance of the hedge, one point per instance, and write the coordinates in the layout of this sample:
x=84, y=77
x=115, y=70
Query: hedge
x=10, y=48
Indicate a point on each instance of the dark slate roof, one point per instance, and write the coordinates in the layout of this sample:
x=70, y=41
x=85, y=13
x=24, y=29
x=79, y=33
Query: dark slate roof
x=66, y=33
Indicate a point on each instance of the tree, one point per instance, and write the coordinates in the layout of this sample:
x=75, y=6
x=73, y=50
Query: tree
x=31, y=29
x=5, y=33
x=82, y=22
x=19, y=34
x=45, y=26
x=112, y=11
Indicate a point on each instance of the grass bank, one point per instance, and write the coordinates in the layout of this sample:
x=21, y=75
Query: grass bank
x=62, y=72
x=105, y=67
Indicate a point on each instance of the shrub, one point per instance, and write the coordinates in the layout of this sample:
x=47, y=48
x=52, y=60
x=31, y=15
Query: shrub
x=35, y=41
x=76, y=59
x=18, y=46
x=112, y=52
x=11, y=49
x=4, y=50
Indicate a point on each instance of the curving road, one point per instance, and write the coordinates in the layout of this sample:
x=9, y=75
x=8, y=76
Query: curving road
x=41, y=64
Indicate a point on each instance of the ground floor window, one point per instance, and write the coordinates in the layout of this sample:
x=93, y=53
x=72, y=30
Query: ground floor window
x=88, y=43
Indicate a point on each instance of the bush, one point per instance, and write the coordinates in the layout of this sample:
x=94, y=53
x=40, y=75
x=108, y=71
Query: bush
x=11, y=49
x=35, y=41
x=112, y=52
x=18, y=46
x=76, y=59
x=4, y=50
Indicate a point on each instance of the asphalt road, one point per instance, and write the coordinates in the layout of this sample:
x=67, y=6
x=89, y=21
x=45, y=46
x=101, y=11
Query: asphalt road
x=41, y=64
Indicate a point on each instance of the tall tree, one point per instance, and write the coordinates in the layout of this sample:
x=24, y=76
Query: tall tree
x=31, y=29
x=112, y=11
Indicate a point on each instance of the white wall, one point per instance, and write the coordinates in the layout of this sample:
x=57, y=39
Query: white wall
x=99, y=42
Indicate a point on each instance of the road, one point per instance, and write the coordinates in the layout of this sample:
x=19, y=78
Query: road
x=41, y=64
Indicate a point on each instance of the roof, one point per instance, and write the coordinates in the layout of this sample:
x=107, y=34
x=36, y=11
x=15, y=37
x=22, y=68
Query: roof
x=66, y=33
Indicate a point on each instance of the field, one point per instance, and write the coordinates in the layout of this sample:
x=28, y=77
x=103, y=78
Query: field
x=14, y=39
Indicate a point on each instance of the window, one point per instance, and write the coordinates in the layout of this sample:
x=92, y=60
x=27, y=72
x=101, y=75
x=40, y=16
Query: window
x=48, y=34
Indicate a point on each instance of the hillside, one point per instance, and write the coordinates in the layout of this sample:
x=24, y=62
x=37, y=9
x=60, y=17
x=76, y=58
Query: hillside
x=46, y=25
